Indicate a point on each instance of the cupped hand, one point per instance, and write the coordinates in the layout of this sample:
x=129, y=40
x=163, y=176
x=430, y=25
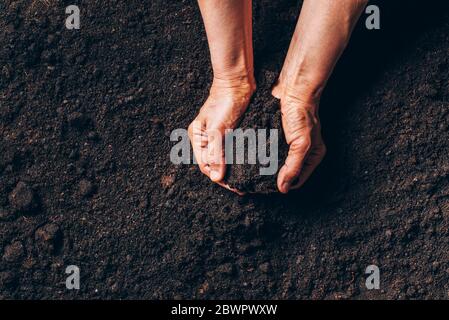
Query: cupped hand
x=222, y=110
x=302, y=131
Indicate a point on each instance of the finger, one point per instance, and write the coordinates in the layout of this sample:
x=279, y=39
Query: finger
x=310, y=164
x=198, y=139
x=293, y=164
x=215, y=155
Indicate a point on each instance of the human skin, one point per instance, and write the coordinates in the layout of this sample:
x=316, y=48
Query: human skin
x=229, y=33
x=322, y=33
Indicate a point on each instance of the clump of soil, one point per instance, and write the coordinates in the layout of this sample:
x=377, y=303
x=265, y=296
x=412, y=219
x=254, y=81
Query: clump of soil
x=262, y=113
x=22, y=198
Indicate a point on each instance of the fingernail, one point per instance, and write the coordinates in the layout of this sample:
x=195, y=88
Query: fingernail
x=214, y=175
x=285, y=186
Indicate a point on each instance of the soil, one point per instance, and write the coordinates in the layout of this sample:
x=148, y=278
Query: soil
x=86, y=180
x=263, y=113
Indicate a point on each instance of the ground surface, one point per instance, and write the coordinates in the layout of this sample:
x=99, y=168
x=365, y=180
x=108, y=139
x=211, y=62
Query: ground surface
x=85, y=176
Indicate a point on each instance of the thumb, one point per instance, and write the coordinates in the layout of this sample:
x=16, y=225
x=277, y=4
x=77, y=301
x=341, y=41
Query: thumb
x=292, y=167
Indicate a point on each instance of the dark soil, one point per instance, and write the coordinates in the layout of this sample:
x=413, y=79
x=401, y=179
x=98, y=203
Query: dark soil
x=86, y=180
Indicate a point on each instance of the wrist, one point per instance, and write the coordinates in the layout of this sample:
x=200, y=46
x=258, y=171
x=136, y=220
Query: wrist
x=234, y=78
x=302, y=91
x=243, y=82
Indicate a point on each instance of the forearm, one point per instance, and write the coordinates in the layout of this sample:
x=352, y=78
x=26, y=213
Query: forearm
x=321, y=35
x=229, y=32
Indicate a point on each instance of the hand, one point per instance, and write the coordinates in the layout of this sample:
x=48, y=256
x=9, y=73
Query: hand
x=323, y=31
x=303, y=134
x=222, y=110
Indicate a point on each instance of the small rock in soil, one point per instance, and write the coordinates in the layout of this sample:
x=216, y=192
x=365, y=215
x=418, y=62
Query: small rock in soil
x=167, y=180
x=48, y=237
x=14, y=252
x=86, y=188
x=22, y=198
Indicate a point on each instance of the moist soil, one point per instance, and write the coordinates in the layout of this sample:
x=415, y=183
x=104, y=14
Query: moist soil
x=86, y=178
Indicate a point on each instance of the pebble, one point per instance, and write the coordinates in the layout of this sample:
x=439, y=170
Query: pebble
x=48, y=237
x=167, y=181
x=203, y=288
x=14, y=252
x=22, y=198
x=86, y=188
